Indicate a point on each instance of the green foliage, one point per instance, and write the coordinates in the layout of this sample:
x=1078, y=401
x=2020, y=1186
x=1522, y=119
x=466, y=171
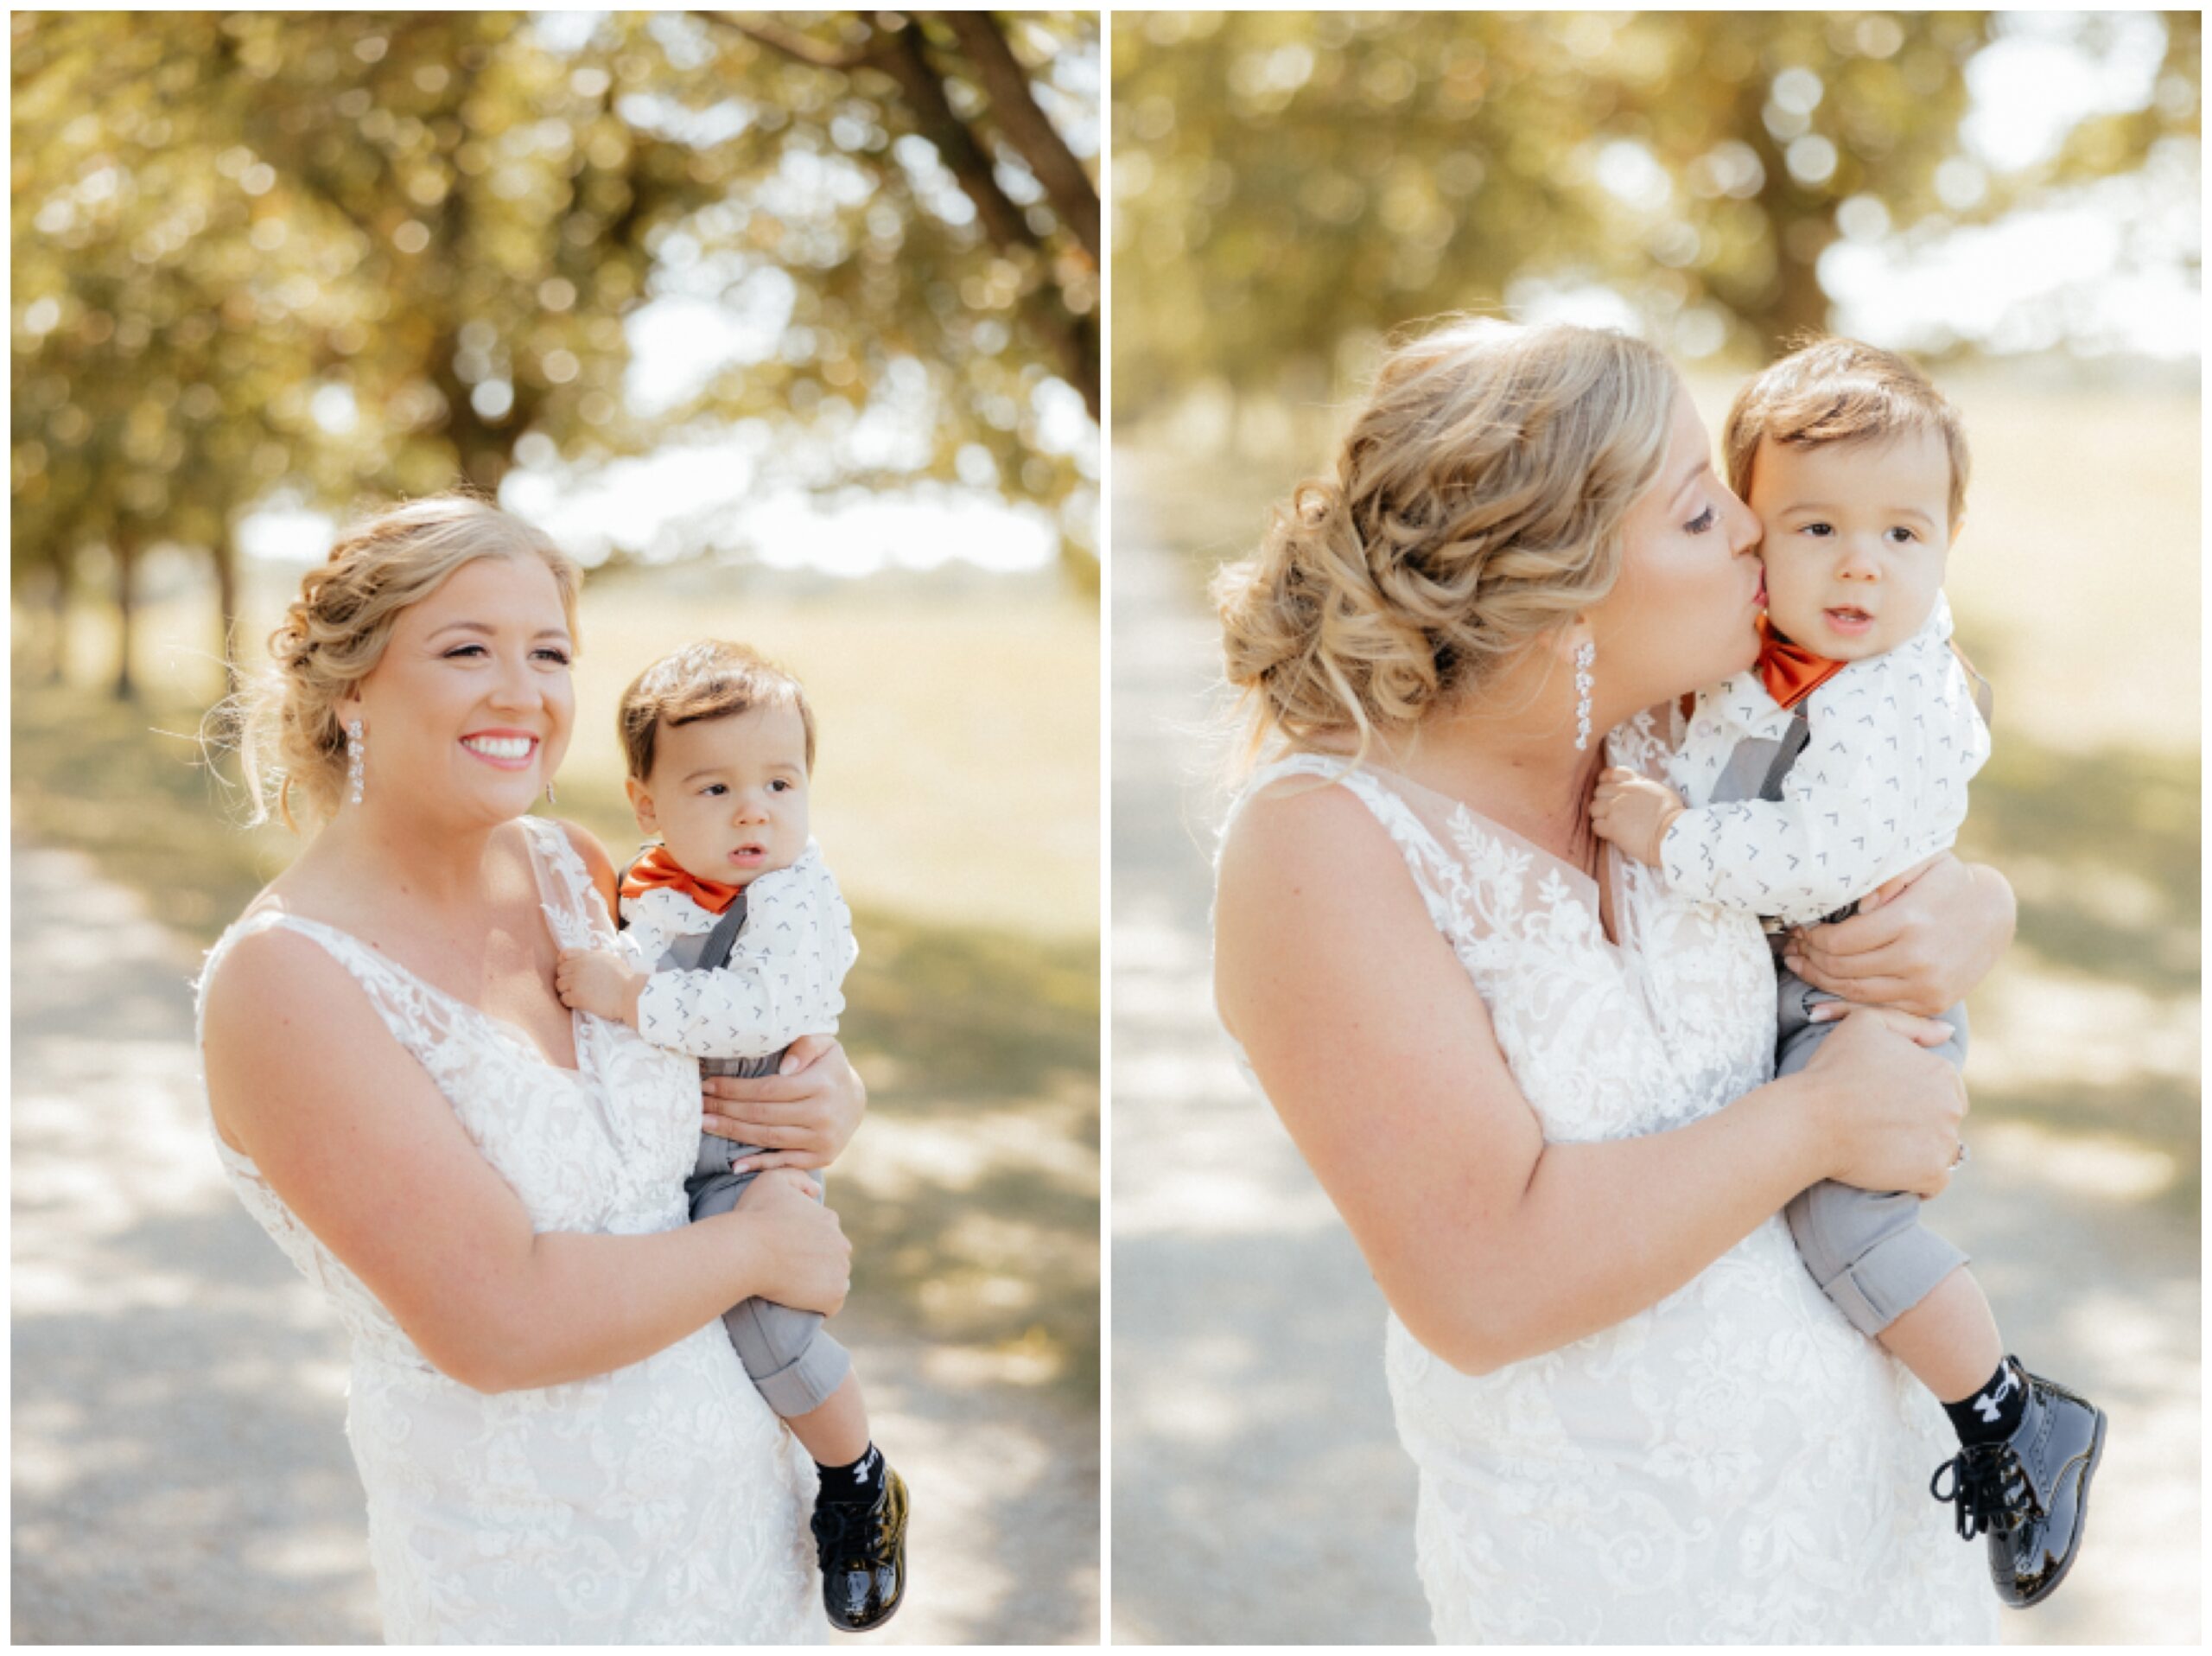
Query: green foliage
x=338, y=254
x=1286, y=183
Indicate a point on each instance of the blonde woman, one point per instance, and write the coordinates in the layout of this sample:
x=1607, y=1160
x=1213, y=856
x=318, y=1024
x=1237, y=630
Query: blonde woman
x=1539, y=1090
x=556, y=1441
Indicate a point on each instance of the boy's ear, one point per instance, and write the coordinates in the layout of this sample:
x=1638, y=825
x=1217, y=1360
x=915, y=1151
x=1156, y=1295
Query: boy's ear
x=1955, y=527
x=641, y=802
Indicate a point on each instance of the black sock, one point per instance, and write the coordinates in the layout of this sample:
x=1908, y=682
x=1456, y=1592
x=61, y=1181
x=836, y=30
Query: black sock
x=858, y=1484
x=1993, y=1413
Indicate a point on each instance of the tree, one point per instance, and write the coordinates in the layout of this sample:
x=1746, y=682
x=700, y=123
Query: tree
x=1286, y=180
x=342, y=254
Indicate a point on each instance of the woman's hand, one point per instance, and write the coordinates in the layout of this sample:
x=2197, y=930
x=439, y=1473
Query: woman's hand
x=799, y=1250
x=1894, y=1111
x=801, y=1117
x=1917, y=943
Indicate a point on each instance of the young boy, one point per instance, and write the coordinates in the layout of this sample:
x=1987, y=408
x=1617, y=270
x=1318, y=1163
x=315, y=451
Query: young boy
x=1838, y=763
x=735, y=941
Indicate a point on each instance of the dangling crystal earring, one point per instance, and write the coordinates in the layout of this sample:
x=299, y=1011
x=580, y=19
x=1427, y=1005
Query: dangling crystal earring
x=549, y=791
x=356, y=757
x=1584, y=653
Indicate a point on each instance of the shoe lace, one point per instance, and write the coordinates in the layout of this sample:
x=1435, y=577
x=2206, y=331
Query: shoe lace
x=1989, y=1488
x=841, y=1533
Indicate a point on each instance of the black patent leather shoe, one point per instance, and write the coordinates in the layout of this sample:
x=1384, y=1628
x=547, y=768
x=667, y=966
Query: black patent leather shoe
x=2031, y=1492
x=862, y=1551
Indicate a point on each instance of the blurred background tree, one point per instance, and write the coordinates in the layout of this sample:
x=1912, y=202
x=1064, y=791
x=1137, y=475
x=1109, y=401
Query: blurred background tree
x=308, y=257
x=1289, y=184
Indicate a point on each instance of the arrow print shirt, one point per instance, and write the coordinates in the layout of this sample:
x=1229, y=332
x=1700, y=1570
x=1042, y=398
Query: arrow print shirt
x=1881, y=785
x=783, y=978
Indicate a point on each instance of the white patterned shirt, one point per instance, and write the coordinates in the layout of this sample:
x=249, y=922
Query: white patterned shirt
x=1880, y=786
x=784, y=977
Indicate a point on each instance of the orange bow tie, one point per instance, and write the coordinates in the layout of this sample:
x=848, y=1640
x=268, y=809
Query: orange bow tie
x=657, y=869
x=1791, y=671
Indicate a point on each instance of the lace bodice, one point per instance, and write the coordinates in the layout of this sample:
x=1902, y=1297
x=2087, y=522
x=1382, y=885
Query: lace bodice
x=662, y=1503
x=1733, y=1464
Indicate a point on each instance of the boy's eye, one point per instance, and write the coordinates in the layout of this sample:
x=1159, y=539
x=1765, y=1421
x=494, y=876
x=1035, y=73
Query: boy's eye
x=1703, y=521
x=1821, y=530
x=780, y=785
x=711, y=790
x=1904, y=534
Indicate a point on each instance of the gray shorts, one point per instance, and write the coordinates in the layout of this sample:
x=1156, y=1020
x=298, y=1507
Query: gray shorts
x=1867, y=1249
x=793, y=1362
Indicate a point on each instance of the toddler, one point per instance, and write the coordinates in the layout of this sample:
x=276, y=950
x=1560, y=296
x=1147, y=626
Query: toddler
x=1838, y=763
x=734, y=942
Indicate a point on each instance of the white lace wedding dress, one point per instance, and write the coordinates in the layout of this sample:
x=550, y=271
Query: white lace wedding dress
x=661, y=1504
x=1734, y=1464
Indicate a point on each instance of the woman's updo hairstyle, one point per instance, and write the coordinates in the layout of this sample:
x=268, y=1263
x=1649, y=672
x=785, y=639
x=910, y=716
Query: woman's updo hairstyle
x=1477, y=504
x=334, y=634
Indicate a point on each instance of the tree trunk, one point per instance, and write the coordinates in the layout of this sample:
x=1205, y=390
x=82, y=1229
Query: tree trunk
x=126, y=581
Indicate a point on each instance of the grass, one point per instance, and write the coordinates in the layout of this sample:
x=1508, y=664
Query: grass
x=956, y=797
x=2076, y=583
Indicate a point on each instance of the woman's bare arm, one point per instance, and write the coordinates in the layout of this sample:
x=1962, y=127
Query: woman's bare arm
x=1380, y=1056
x=354, y=1136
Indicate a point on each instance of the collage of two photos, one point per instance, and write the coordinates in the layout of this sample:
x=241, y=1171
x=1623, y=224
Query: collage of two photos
x=1143, y=827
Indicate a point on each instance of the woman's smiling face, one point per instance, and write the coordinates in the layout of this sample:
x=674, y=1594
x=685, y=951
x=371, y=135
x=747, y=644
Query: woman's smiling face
x=470, y=708
x=1685, y=611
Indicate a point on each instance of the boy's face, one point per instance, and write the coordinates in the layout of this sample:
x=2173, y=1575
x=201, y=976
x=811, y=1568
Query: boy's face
x=729, y=794
x=1857, y=534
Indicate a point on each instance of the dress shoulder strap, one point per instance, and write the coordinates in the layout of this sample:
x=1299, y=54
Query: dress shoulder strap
x=1434, y=869
x=574, y=907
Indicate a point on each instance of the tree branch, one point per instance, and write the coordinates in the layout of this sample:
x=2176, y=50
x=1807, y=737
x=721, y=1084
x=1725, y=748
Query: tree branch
x=897, y=51
x=1026, y=126
x=788, y=41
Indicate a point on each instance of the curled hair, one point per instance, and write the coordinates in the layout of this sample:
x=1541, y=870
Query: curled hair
x=707, y=680
x=1477, y=504
x=289, y=737
x=1838, y=391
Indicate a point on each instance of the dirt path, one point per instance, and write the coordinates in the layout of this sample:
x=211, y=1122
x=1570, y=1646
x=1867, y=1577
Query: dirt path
x=180, y=1473
x=1259, y=1495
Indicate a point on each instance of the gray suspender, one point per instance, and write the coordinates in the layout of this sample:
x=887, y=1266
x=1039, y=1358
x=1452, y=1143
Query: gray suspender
x=723, y=937
x=1793, y=744
x=714, y=953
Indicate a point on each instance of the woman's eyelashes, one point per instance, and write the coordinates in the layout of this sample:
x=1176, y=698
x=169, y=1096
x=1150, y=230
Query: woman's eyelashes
x=559, y=657
x=1703, y=521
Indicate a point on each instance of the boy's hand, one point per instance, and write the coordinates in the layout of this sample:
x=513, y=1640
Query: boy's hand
x=597, y=981
x=1633, y=813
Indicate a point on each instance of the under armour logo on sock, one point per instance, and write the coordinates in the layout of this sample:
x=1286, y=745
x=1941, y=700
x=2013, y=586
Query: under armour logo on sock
x=1986, y=1405
x=866, y=1464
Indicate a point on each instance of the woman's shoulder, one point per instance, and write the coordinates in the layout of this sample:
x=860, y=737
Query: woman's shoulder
x=275, y=980
x=599, y=867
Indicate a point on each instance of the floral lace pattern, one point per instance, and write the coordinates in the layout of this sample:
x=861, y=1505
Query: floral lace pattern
x=659, y=1504
x=1733, y=1464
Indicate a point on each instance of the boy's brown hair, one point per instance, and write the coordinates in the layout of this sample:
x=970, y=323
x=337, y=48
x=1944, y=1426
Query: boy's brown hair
x=1840, y=390
x=707, y=680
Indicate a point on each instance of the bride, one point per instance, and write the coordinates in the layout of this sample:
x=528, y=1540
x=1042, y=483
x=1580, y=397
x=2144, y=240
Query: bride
x=1538, y=1090
x=556, y=1441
